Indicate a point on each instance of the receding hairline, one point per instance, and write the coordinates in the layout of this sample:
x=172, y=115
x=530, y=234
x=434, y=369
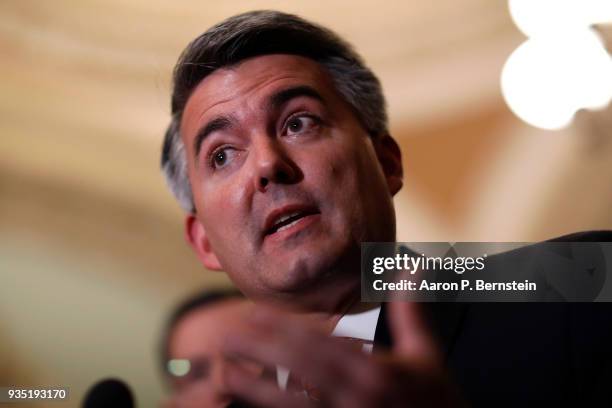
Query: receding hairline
x=235, y=66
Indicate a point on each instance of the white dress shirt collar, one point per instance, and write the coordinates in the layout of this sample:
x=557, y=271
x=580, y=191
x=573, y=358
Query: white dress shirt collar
x=360, y=325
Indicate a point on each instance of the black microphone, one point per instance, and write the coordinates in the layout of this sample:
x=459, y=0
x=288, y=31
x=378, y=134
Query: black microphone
x=107, y=393
x=239, y=404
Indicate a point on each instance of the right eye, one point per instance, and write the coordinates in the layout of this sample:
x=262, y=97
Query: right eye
x=222, y=156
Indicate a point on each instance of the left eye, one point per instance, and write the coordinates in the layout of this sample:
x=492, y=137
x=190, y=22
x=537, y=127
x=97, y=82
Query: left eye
x=300, y=124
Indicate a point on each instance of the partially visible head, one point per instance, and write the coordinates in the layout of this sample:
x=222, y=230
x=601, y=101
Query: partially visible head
x=279, y=150
x=191, y=347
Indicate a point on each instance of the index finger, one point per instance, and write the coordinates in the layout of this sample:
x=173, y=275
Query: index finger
x=412, y=338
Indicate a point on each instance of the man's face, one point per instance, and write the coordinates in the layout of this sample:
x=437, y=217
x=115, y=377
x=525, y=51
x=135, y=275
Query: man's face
x=286, y=181
x=198, y=338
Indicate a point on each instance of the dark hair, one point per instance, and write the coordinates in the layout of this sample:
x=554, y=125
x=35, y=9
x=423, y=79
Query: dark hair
x=260, y=33
x=200, y=300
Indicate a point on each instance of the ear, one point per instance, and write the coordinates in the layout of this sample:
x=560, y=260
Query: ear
x=195, y=234
x=390, y=158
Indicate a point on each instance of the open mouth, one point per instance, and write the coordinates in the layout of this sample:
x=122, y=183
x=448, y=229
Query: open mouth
x=289, y=219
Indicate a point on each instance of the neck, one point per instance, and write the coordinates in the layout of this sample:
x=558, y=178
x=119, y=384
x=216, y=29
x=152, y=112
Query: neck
x=329, y=296
x=328, y=319
x=325, y=308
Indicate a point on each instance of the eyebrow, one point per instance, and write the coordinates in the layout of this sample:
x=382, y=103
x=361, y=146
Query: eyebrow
x=218, y=123
x=283, y=96
x=276, y=101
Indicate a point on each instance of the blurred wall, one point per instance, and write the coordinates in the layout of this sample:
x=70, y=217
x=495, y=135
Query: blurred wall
x=91, y=250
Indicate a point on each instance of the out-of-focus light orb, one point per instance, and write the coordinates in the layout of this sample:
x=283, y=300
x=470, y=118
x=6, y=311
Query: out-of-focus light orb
x=547, y=17
x=543, y=17
x=178, y=367
x=545, y=81
x=563, y=67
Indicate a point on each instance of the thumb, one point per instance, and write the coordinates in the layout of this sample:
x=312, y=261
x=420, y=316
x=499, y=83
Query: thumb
x=412, y=338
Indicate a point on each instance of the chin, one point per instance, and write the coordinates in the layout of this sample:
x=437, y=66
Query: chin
x=298, y=275
x=322, y=263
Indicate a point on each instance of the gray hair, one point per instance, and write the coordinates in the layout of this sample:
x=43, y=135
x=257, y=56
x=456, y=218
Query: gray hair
x=261, y=33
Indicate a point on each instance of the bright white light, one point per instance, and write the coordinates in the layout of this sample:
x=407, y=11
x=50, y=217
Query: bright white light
x=597, y=11
x=563, y=67
x=178, y=367
x=541, y=17
x=546, y=17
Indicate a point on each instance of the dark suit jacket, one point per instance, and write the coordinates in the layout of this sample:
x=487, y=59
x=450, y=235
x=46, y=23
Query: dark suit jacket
x=526, y=354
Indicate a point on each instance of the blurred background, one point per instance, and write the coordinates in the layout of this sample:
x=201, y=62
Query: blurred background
x=92, y=256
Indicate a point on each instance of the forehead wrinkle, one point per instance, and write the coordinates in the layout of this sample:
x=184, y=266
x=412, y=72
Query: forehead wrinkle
x=246, y=94
x=297, y=67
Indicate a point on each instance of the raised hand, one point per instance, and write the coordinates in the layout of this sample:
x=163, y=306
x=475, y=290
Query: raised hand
x=411, y=374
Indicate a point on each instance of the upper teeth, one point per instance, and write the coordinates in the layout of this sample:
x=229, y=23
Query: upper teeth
x=286, y=217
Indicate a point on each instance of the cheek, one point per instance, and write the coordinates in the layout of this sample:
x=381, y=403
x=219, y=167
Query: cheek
x=357, y=187
x=227, y=227
x=222, y=206
x=338, y=180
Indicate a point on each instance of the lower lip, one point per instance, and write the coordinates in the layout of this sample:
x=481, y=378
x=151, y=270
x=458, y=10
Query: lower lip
x=293, y=229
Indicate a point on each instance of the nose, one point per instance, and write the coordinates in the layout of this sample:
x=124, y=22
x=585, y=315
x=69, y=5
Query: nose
x=272, y=164
x=218, y=381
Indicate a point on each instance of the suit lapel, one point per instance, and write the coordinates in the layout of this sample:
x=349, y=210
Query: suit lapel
x=446, y=320
x=382, y=335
